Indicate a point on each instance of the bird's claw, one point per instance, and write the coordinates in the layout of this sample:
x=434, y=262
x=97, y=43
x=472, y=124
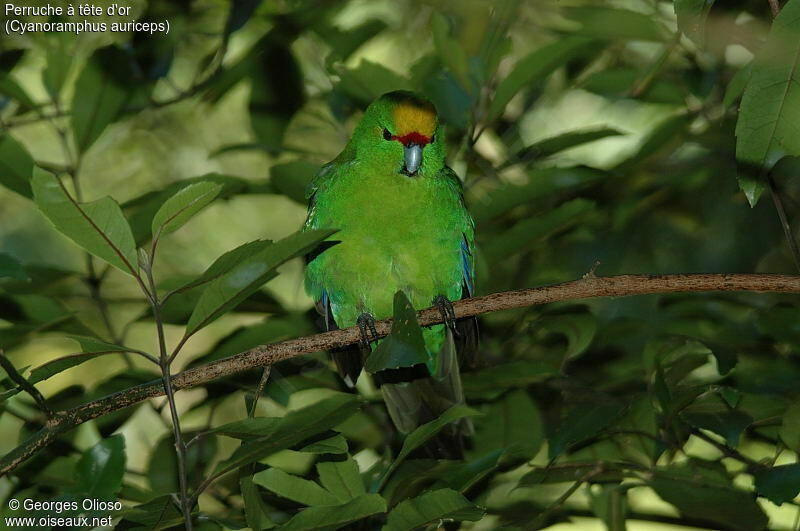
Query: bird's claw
x=446, y=310
x=366, y=325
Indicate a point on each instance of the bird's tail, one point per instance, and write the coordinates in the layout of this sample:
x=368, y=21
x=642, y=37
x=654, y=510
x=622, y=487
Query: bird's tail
x=422, y=397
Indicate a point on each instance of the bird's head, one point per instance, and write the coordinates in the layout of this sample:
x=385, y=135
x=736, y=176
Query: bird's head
x=400, y=132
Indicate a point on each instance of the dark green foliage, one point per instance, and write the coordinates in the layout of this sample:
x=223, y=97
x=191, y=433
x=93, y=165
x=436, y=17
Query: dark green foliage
x=152, y=189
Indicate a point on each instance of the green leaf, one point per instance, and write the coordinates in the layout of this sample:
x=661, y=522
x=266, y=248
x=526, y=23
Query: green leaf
x=542, y=183
x=550, y=146
x=11, y=89
x=598, y=471
x=737, y=84
x=581, y=423
x=766, y=129
x=11, y=268
x=255, y=510
x=609, y=503
x=179, y=208
x=450, y=51
x=99, y=227
x=342, y=479
x=162, y=469
x=334, y=517
x=250, y=428
x=333, y=445
x=159, y=513
x=779, y=484
x=513, y=424
x=57, y=63
x=287, y=431
x=711, y=413
x=706, y=495
x=692, y=16
x=294, y=488
x=663, y=139
x=615, y=24
x=99, y=96
x=537, y=66
x=529, y=232
x=291, y=178
x=16, y=166
x=620, y=82
x=58, y=365
x=100, y=469
x=578, y=328
x=404, y=346
x=226, y=262
x=431, y=507
x=508, y=375
x=369, y=80
x=424, y=433
x=247, y=277
x=142, y=209
x=790, y=427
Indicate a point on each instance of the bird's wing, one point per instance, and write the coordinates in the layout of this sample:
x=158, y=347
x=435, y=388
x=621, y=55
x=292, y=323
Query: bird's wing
x=466, y=337
x=349, y=360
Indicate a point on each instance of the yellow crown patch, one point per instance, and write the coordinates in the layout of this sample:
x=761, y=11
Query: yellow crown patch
x=414, y=117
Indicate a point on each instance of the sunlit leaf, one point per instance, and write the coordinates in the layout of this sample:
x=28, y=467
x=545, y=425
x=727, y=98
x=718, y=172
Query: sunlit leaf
x=431, y=507
x=98, y=226
x=267, y=438
x=615, y=24
x=99, y=96
x=92, y=348
x=16, y=166
x=246, y=277
x=336, y=516
x=537, y=66
x=342, y=479
x=11, y=89
x=550, y=146
x=294, y=488
x=179, y=208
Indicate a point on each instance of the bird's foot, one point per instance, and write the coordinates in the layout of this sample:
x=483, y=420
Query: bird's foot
x=447, y=312
x=366, y=325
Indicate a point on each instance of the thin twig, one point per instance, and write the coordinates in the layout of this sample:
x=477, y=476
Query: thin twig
x=542, y=518
x=618, y=286
x=787, y=229
x=727, y=451
x=166, y=377
x=24, y=384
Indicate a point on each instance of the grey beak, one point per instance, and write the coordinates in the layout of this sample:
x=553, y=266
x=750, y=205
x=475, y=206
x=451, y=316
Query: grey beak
x=413, y=158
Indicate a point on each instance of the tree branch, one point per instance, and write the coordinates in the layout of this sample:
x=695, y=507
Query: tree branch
x=587, y=287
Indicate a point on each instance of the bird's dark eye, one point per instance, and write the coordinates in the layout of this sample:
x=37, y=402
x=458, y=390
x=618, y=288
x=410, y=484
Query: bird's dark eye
x=386, y=134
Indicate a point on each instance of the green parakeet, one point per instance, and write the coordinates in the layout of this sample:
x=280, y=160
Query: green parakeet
x=403, y=226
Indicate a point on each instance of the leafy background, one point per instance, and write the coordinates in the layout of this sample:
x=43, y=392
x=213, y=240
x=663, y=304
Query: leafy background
x=584, y=132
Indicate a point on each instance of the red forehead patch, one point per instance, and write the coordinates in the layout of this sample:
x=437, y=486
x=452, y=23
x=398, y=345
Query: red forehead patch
x=412, y=138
